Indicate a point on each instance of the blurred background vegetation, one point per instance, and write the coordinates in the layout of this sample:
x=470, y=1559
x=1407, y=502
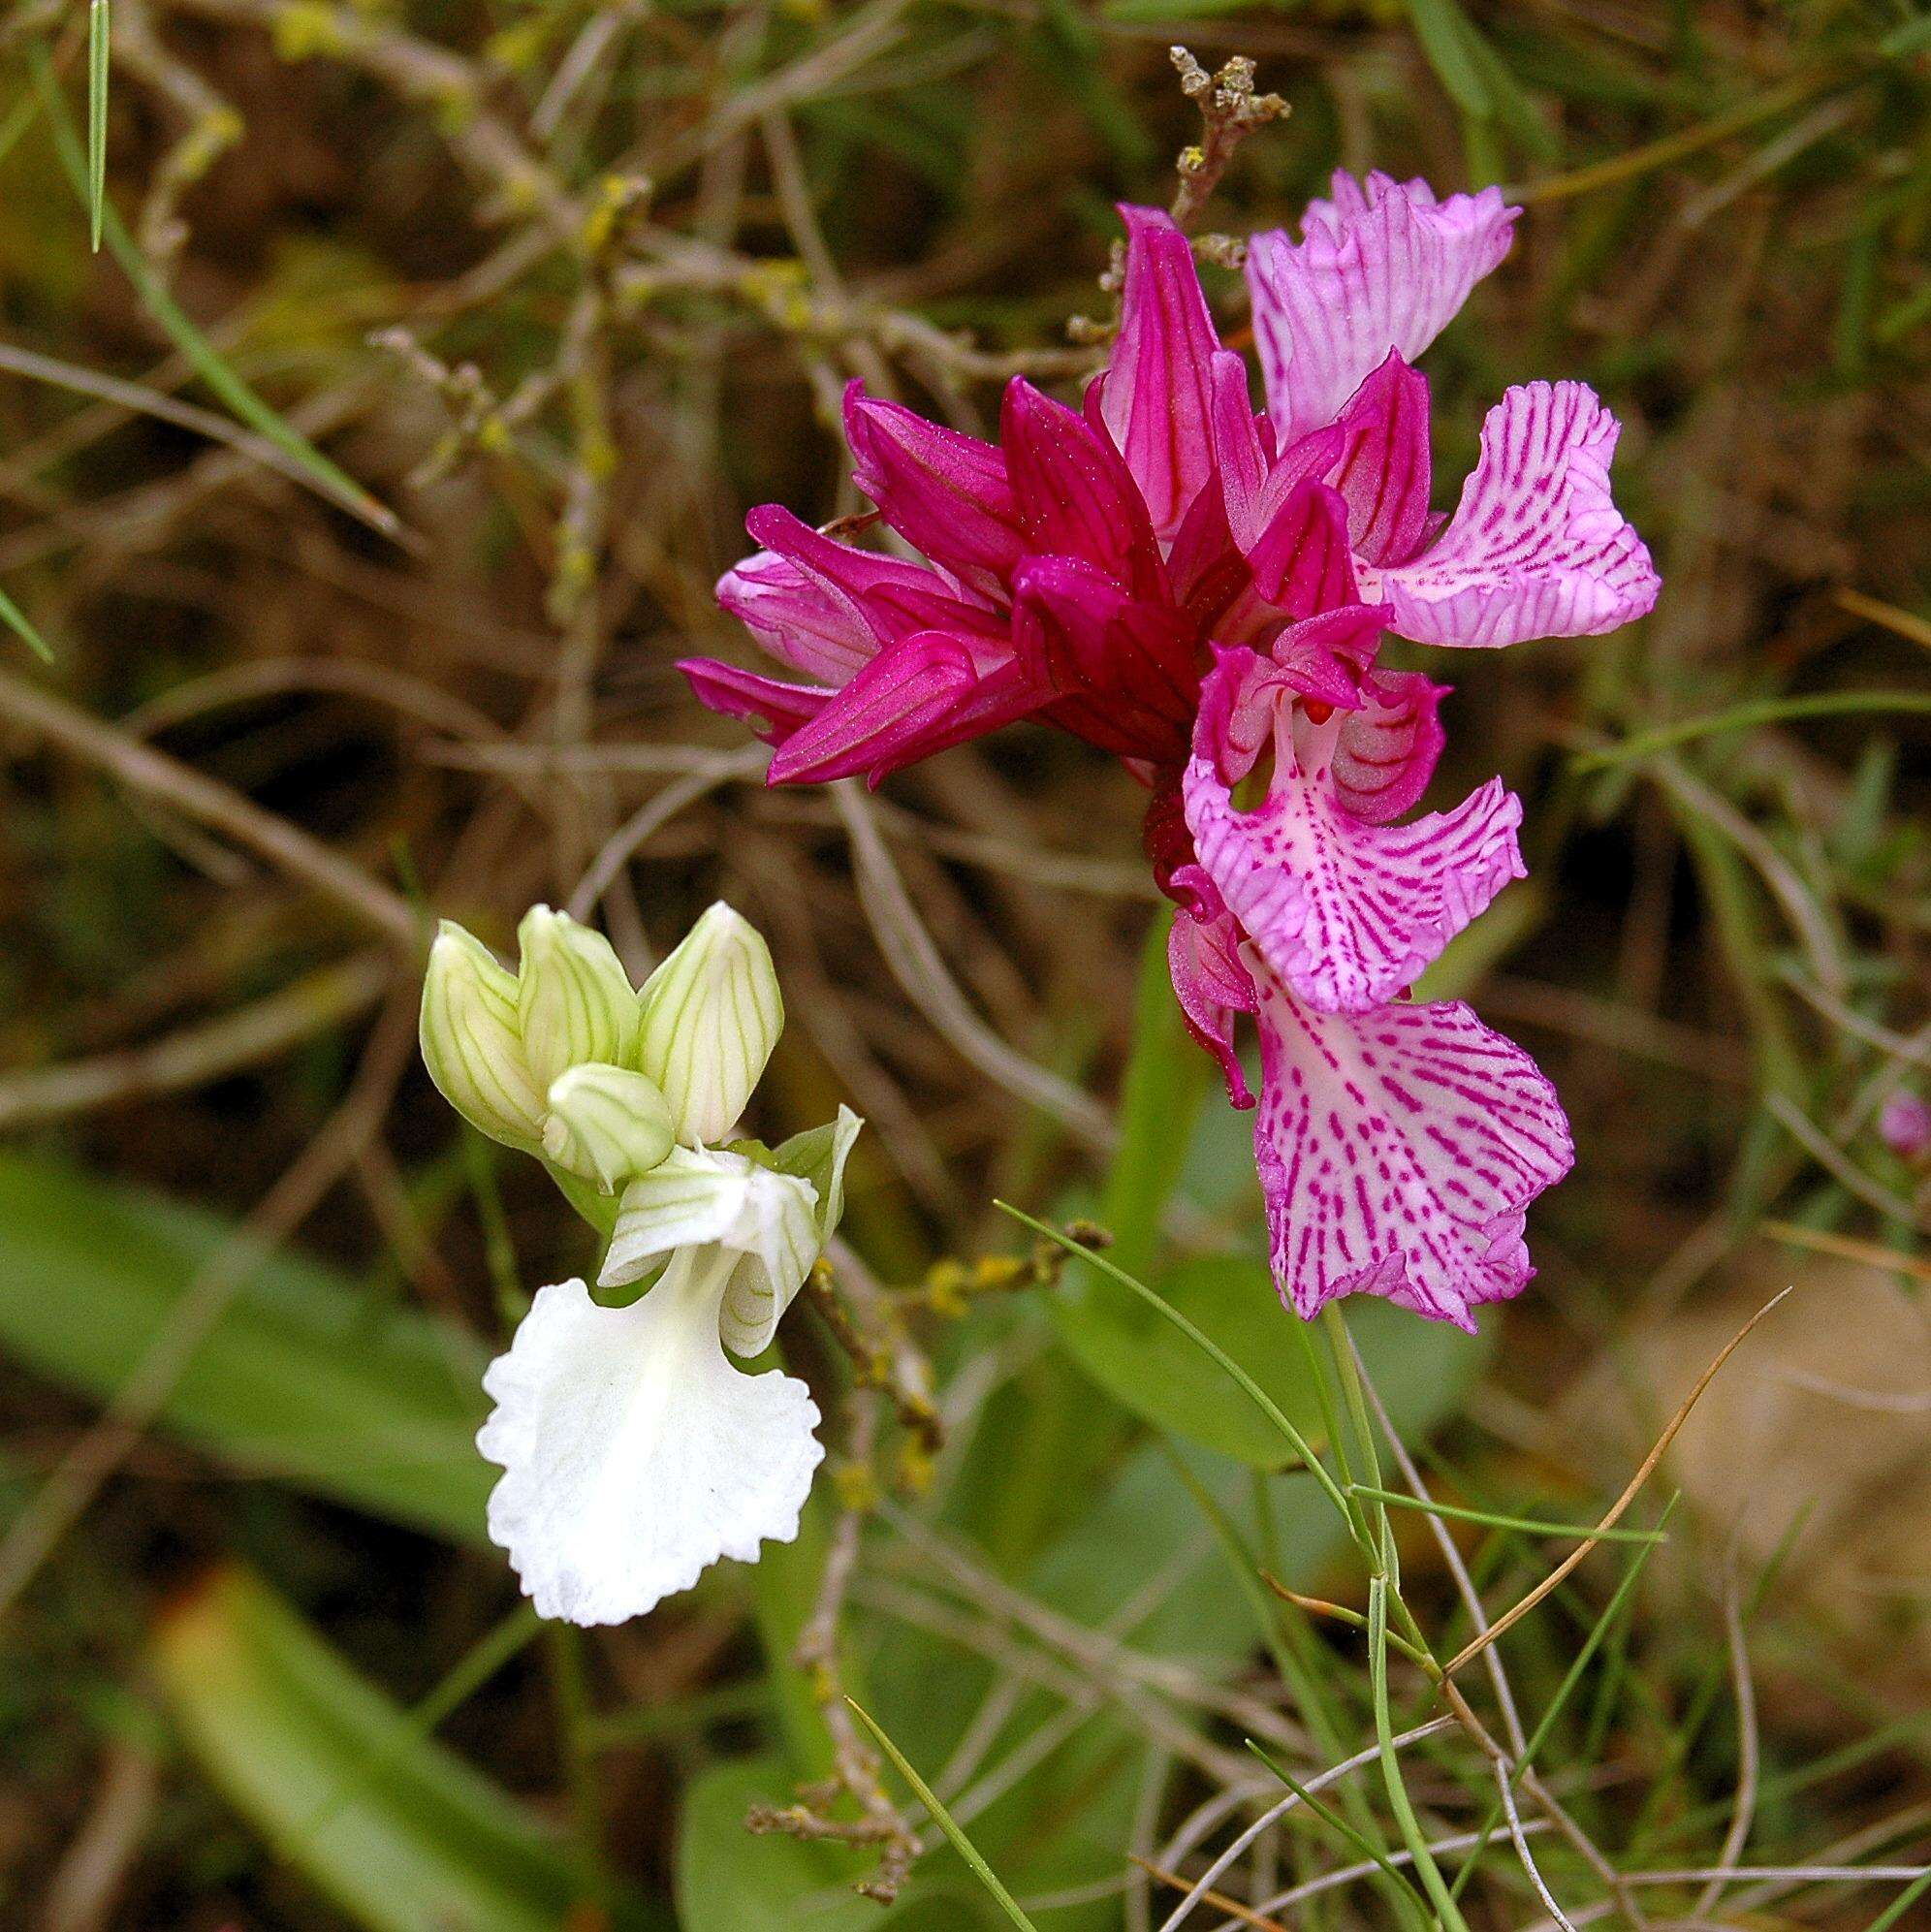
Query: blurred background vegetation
x=362, y=488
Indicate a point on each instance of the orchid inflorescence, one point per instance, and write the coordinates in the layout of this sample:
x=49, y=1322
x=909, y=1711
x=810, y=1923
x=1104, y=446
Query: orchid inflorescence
x=1202, y=590
x=634, y=1454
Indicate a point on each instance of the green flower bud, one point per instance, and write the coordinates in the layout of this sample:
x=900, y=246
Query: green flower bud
x=710, y=1016
x=607, y=1124
x=472, y=1043
x=574, y=997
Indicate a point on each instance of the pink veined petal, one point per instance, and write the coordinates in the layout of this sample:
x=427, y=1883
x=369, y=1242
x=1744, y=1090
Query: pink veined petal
x=1387, y=749
x=1074, y=495
x=921, y=695
x=774, y=708
x=1385, y=266
x=1208, y=980
x=892, y=596
x=1346, y=913
x=1537, y=546
x=1398, y=1152
x=1159, y=391
x=1122, y=671
x=797, y=618
x=946, y=494
x=1300, y=562
x=1384, y=468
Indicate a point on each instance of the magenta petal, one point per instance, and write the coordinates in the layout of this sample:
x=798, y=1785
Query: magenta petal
x=1398, y=1152
x=1387, y=749
x=1537, y=546
x=1241, y=457
x=1300, y=562
x=1346, y=912
x=1208, y=981
x=892, y=596
x=799, y=620
x=920, y=695
x=1159, y=391
x=1383, y=266
x=1383, y=471
x=1075, y=496
x=1123, y=670
x=946, y=494
x=774, y=708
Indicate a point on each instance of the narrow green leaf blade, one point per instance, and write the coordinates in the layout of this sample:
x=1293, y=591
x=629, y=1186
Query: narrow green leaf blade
x=100, y=41
x=300, y=1378
x=21, y=625
x=391, y=1826
x=202, y=355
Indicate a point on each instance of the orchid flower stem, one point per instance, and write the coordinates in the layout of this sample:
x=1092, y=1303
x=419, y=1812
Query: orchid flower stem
x=573, y=1713
x=1322, y=1381
x=1439, y=1896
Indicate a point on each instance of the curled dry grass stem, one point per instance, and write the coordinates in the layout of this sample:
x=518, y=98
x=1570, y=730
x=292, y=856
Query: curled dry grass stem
x=1515, y=1615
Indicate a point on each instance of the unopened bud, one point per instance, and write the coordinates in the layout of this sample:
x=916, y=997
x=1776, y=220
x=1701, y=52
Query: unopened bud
x=472, y=1043
x=711, y=1014
x=574, y=997
x=607, y=1124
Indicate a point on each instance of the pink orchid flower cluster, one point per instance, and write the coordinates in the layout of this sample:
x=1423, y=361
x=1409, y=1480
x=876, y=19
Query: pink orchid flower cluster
x=1202, y=590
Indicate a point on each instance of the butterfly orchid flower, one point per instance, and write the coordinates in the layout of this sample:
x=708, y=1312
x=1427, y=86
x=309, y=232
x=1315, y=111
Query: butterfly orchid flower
x=1201, y=588
x=634, y=1453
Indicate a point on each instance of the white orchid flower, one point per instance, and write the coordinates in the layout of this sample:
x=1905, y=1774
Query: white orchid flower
x=634, y=1453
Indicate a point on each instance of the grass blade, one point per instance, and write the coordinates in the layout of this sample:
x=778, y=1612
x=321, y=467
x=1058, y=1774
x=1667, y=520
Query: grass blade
x=282, y=1723
x=945, y=1822
x=20, y=624
x=1746, y=717
x=334, y=482
x=100, y=40
x=1496, y=1521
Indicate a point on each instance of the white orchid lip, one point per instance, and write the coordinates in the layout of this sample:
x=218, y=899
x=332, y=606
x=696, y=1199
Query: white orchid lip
x=634, y=1455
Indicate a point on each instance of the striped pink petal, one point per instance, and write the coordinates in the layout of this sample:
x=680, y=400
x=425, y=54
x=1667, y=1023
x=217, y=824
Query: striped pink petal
x=1346, y=912
x=1537, y=546
x=1158, y=388
x=1073, y=493
x=1383, y=266
x=1385, y=469
x=772, y=708
x=1387, y=748
x=1398, y=1152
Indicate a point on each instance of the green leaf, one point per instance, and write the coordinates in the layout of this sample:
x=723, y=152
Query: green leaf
x=299, y=1377
x=397, y=1831
x=1422, y=1367
x=1449, y=41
